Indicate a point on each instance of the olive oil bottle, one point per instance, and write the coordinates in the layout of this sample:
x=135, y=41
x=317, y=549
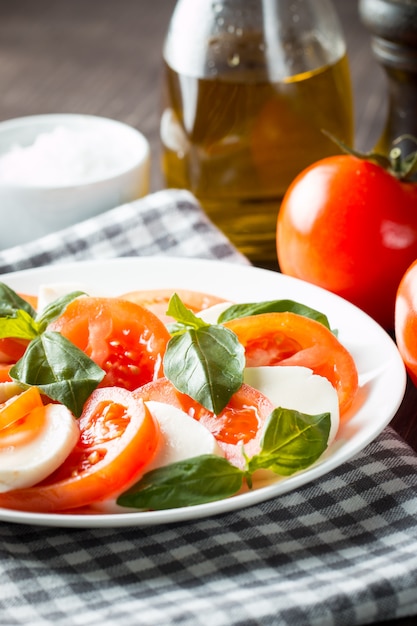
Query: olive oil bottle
x=244, y=113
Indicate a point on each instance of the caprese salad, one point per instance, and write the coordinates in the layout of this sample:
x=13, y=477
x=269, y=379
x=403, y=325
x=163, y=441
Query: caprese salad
x=160, y=399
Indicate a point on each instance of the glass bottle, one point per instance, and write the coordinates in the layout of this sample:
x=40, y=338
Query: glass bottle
x=248, y=87
x=393, y=28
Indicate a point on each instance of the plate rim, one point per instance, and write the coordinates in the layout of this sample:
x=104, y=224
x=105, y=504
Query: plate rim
x=241, y=501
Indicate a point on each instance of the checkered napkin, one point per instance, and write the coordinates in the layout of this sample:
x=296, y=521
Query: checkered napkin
x=340, y=551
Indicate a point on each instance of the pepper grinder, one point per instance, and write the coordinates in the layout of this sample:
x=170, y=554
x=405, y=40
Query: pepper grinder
x=393, y=27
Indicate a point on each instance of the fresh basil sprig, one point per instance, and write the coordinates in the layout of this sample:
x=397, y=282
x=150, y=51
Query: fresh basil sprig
x=197, y=480
x=10, y=302
x=272, y=306
x=292, y=441
x=51, y=362
x=204, y=361
x=20, y=325
x=18, y=319
x=53, y=310
x=59, y=369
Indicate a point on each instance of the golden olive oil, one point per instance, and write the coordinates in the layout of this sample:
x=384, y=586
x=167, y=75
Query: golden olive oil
x=238, y=145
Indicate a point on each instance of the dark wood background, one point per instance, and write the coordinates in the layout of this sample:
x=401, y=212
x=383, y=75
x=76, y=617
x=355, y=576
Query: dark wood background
x=103, y=57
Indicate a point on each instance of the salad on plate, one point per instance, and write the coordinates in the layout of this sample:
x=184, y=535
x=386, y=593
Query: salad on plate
x=158, y=399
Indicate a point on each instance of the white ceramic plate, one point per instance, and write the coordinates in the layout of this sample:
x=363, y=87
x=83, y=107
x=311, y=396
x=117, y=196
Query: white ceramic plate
x=382, y=374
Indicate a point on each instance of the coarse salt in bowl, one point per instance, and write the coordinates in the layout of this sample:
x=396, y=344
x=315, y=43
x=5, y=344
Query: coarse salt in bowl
x=58, y=170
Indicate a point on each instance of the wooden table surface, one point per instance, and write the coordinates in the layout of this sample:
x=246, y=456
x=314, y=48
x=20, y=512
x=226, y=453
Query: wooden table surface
x=103, y=57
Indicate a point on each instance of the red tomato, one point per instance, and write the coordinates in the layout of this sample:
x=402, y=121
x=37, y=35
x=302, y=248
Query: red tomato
x=156, y=300
x=11, y=349
x=239, y=423
x=406, y=320
x=4, y=372
x=349, y=226
x=118, y=437
x=126, y=340
x=19, y=405
x=291, y=339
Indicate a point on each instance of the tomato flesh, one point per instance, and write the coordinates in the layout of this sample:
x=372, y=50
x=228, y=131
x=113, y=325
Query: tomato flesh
x=126, y=340
x=118, y=438
x=291, y=339
x=19, y=406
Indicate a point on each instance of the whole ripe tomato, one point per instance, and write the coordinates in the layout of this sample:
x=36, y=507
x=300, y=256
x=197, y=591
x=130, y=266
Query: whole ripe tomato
x=406, y=320
x=350, y=226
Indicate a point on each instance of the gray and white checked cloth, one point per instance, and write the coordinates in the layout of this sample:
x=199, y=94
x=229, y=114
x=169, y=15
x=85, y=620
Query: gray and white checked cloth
x=341, y=551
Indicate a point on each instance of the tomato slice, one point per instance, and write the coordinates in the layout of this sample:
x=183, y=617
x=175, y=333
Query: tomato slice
x=20, y=405
x=24, y=429
x=156, y=300
x=11, y=349
x=292, y=339
x=126, y=340
x=118, y=437
x=240, y=423
x=4, y=372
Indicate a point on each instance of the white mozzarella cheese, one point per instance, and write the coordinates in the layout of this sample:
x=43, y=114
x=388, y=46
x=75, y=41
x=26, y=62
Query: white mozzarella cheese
x=211, y=314
x=23, y=464
x=298, y=388
x=183, y=437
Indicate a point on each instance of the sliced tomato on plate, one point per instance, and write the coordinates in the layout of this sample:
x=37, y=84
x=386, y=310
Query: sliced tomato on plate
x=239, y=424
x=4, y=372
x=292, y=339
x=126, y=340
x=156, y=300
x=11, y=349
x=19, y=405
x=118, y=437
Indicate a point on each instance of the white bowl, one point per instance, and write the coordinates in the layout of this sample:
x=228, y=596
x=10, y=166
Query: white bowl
x=58, y=170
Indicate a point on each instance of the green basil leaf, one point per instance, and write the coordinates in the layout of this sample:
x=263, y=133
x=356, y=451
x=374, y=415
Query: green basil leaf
x=62, y=371
x=207, y=364
x=56, y=308
x=292, y=441
x=272, y=306
x=198, y=480
x=20, y=325
x=184, y=317
x=10, y=302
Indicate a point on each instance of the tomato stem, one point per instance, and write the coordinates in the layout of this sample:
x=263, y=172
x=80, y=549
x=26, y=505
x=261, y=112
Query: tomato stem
x=403, y=168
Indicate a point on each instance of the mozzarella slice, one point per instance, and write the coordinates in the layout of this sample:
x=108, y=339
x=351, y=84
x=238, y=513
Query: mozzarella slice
x=298, y=388
x=212, y=313
x=26, y=461
x=182, y=437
